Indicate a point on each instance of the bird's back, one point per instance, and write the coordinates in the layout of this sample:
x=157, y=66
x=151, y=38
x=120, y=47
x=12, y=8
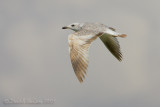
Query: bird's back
x=96, y=27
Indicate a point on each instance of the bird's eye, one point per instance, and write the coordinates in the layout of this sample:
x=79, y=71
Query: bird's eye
x=72, y=25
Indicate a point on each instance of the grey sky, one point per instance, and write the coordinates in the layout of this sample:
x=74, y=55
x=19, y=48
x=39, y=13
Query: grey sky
x=35, y=59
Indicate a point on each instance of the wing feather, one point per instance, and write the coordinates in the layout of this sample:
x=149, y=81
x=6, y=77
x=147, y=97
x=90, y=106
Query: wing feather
x=112, y=44
x=78, y=47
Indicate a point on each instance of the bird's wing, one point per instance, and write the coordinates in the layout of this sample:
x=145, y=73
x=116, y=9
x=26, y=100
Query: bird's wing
x=111, y=42
x=78, y=47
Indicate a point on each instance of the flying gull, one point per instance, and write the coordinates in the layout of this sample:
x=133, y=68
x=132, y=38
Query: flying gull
x=81, y=39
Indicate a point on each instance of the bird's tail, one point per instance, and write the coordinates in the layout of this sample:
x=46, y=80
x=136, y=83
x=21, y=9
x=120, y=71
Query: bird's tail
x=122, y=35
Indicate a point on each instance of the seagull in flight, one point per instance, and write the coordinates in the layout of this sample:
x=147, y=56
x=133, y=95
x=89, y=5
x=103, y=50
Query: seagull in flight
x=80, y=41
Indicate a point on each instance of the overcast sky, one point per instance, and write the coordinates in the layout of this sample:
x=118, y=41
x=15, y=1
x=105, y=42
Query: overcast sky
x=35, y=63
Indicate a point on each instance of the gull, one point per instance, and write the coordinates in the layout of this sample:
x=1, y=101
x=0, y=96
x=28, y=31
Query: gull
x=81, y=39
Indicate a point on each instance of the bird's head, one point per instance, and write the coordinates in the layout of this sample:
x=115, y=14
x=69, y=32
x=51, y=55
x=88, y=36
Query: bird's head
x=74, y=26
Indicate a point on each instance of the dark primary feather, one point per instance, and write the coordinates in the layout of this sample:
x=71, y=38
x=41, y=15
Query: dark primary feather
x=112, y=44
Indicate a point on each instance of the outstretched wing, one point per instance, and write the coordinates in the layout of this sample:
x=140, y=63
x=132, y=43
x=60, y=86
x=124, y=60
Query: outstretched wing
x=112, y=44
x=78, y=47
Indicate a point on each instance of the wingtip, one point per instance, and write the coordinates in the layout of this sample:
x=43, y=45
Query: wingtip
x=80, y=80
x=119, y=58
x=80, y=77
